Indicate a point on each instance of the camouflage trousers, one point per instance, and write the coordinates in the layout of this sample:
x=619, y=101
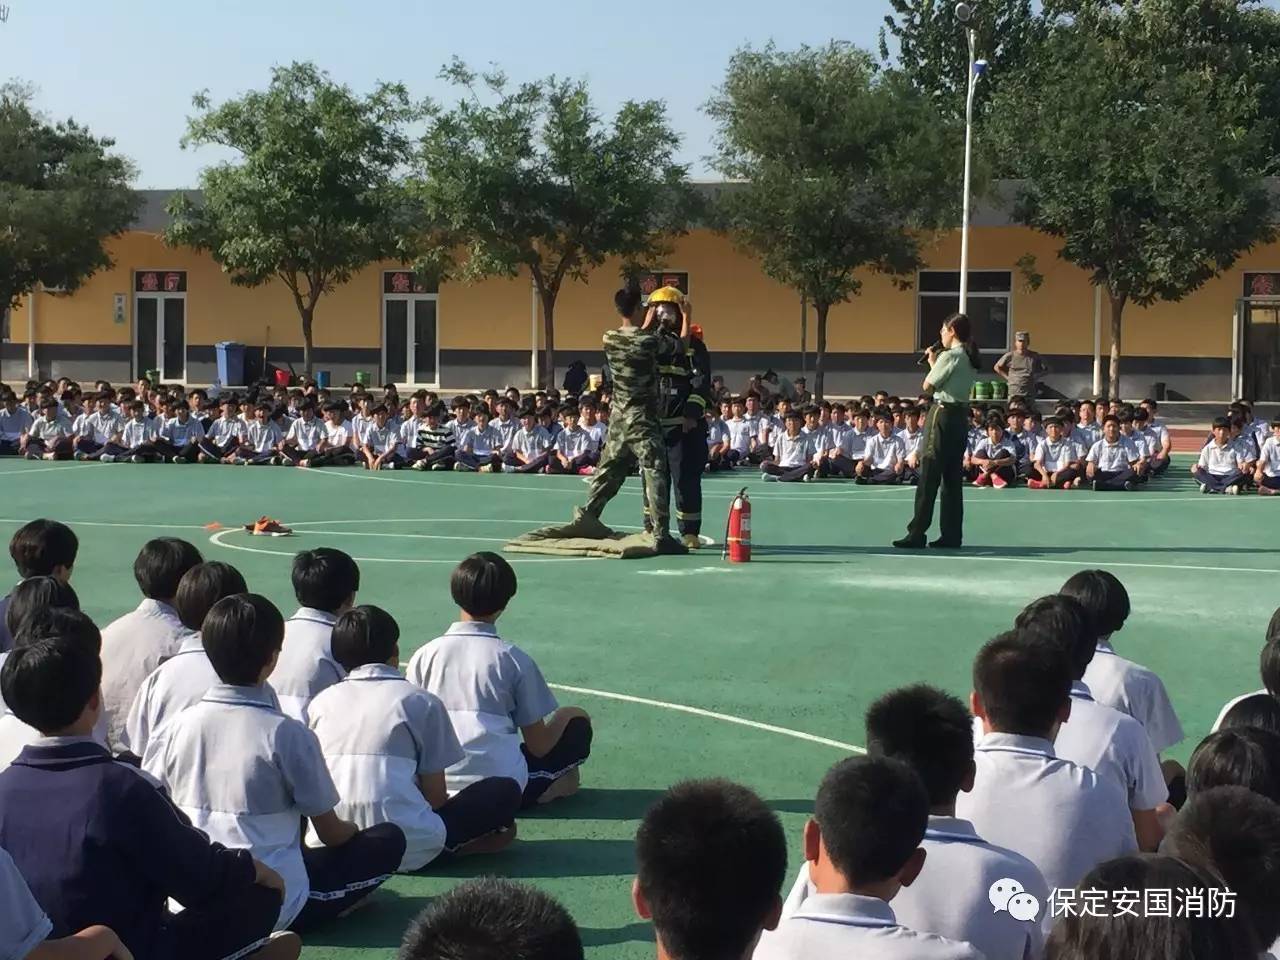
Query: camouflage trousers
x=631, y=441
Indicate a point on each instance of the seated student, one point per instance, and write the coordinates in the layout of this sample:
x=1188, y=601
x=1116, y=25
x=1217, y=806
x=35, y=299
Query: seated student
x=262, y=438
x=49, y=437
x=1237, y=757
x=1114, y=681
x=492, y=919
x=381, y=442
x=1111, y=460
x=1106, y=933
x=710, y=860
x=530, y=446
x=547, y=420
x=97, y=429
x=1219, y=469
x=911, y=435
x=506, y=424
x=134, y=442
x=849, y=448
x=413, y=427
x=32, y=598
x=224, y=435
x=40, y=548
x=862, y=845
x=178, y=440
x=387, y=744
x=1021, y=696
x=744, y=434
x=480, y=447
x=1245, y=445
x=325, y=582
x=1105, y=740
x=184, y=678
x=1233, y=835
x=302, y=441
x=1154, y=452
x=592, y=422
x=1268, y=668
x=718, y=447
x=435, y=445
x=335, y=446
x=462, y=418
x=1140, y=442
x=1056, y=460
x=995, y=458
x=247, y=774
x=793, y=454
x=496, y=695
x=883, y=457
x=571, y=447
x=14, y=423
x=1266, y=475
x=930, y=731
x=135, y=644
x=124, y=848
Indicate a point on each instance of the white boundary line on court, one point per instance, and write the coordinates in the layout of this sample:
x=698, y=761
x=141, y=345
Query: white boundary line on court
x=710, y=715
x=965, y=555
x=30, y=470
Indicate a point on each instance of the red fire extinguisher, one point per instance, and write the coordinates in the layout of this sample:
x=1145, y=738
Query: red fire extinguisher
x=737, y=534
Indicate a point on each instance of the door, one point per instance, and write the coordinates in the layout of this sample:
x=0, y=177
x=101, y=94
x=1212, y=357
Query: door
x=1261, y=349
x=410, y=340
x=160, y=324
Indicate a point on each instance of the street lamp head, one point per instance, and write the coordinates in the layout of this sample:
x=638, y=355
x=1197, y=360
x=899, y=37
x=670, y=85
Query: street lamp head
x=964, y=12
x=980, y=68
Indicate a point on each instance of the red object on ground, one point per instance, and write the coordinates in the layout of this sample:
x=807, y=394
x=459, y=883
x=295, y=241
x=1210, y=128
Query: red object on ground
x=282, y=378
x=737, y=540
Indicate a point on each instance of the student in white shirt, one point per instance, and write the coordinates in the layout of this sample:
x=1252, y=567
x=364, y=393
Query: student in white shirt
x=995, y=457
x=911, y=435
x=325, y=582
x=1111, y=460
x=710, y=860
x=930, y=731
x=14, y=422
x=247, y=775
x=1064, y=818
x=387, y=744
x=506, y=717
x=97, y=429
x=380, y=442
x=571, y=449
x=1107, y=741
x=862, y=846
x=1056, y=460
x=184, y=678
x=135, y=644
x=493, y=919
x=591, y=422
x=480, y=447
x=530, y=446
x=849, y=448
x=1114, y=681
x=743, y=434
x=1267, y=473
x=224, y=435
x=179, y=436
x=135, y=440
x=336, y=448
x=1268, y=668
x=1163, y=443
x=49, y=437
x=884, y=458
x=1220, y=468
x=302, y=441
x=1237, y=756
x=507, y=424
x=718, y=448
x=792, y=454
x=262, y=439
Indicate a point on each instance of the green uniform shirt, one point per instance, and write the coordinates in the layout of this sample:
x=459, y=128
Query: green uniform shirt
x=952, y=376
x=633, y=356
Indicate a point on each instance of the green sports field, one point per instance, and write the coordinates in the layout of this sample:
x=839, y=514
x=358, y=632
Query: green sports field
x=690, y=666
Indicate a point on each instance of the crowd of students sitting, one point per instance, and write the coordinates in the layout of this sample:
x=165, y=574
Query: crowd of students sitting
x=205, y=779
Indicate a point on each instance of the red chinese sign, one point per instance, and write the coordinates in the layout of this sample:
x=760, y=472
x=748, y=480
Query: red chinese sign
x=1261, y=284
x=160, y=281
x=652, y=280
x=149, y=281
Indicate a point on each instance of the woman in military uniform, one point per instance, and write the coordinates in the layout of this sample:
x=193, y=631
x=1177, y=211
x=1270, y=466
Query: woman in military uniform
x=952, y=371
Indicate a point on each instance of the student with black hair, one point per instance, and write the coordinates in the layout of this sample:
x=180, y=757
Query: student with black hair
x=493, y=919
x=32, y=596
x=40, y=548
x=325, y=582
x=862, y=846
x=1233, y=833
x=248, y=775
x=1095, y=736
x=930, y=731
x=135, y=644
x=1114, y=681
x=505, y=715
x=1260, y=710
x=387, y=744
x=1268, y=668
x=1220, y=468
x=1112, y=458
x=186, y=677
x=1173, y=935
x=125, y=849
x=710, y=860
x=1063, y=817
x=1237, y=757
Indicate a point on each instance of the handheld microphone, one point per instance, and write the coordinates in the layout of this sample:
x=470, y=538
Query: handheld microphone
x=923, y=359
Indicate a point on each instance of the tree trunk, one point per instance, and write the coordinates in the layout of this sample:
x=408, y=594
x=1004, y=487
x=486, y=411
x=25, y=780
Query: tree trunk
x=804, y=336
x=820, y=354
x=548, y=338
x=1117, y=312
x=308, y=314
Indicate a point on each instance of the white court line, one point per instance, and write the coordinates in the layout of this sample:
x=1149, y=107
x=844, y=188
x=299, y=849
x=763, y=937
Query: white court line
x=710, y=715
x=30, y=470
x=963, y=555
x=99, y=523
x=216, y=540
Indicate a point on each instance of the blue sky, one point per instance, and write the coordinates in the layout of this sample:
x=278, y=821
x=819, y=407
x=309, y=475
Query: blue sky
x=128, y=69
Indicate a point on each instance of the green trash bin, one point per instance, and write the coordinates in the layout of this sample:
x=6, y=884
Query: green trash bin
x=152, y=375
x=981, y=390
x=999, y=390
x=362, y=377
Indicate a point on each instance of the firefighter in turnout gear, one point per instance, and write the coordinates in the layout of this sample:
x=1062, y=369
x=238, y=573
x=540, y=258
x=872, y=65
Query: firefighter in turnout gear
x=684, y=391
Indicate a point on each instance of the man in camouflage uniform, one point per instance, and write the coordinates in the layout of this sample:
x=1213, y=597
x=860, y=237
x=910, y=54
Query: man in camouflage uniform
x=633, y=354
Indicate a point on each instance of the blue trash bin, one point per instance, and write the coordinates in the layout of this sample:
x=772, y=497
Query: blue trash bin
x=322, y=379
x=230, y=363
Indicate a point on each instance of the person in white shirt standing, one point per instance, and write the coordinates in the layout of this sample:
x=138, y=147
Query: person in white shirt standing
x=862, y=847
x=1220, y=467
x=325, y=582
x=135, y=644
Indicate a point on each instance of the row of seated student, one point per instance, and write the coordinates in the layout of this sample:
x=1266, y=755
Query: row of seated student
x=267, y=775
x=1033, y=821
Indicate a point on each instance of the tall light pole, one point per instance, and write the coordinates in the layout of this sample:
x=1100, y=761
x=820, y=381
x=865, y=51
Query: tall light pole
x=964, y=14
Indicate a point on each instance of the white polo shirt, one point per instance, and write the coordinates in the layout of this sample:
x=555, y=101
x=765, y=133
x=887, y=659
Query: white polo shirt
x=246, y=775
x=1221, y=460
x=491, y=689
x=910, y=441
x=306, y=664
x=306, y=434
x=793, y=451
x=573, y=443
x=740, y=433
x=1115, y=745
x=1133, y=689
x=1112, y=457
x=132, y=647
x=845, y=926
x=1064, y=818
x=25, y=925
x=180, y=434
x=135, y=433
x=531, y=444
x=1055, y=456
x=225, y=431
x=14, y=425
x=100, y=427
x=378, y=733
x=882, y=453
x=1269, y=458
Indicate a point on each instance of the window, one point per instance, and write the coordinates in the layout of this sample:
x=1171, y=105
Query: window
x=990, y=295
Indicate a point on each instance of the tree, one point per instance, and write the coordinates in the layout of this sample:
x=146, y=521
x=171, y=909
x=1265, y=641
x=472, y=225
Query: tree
x=530, y=178
x=315, y=195
x=843, y=167
x=63, y=195
x=1146, y=159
